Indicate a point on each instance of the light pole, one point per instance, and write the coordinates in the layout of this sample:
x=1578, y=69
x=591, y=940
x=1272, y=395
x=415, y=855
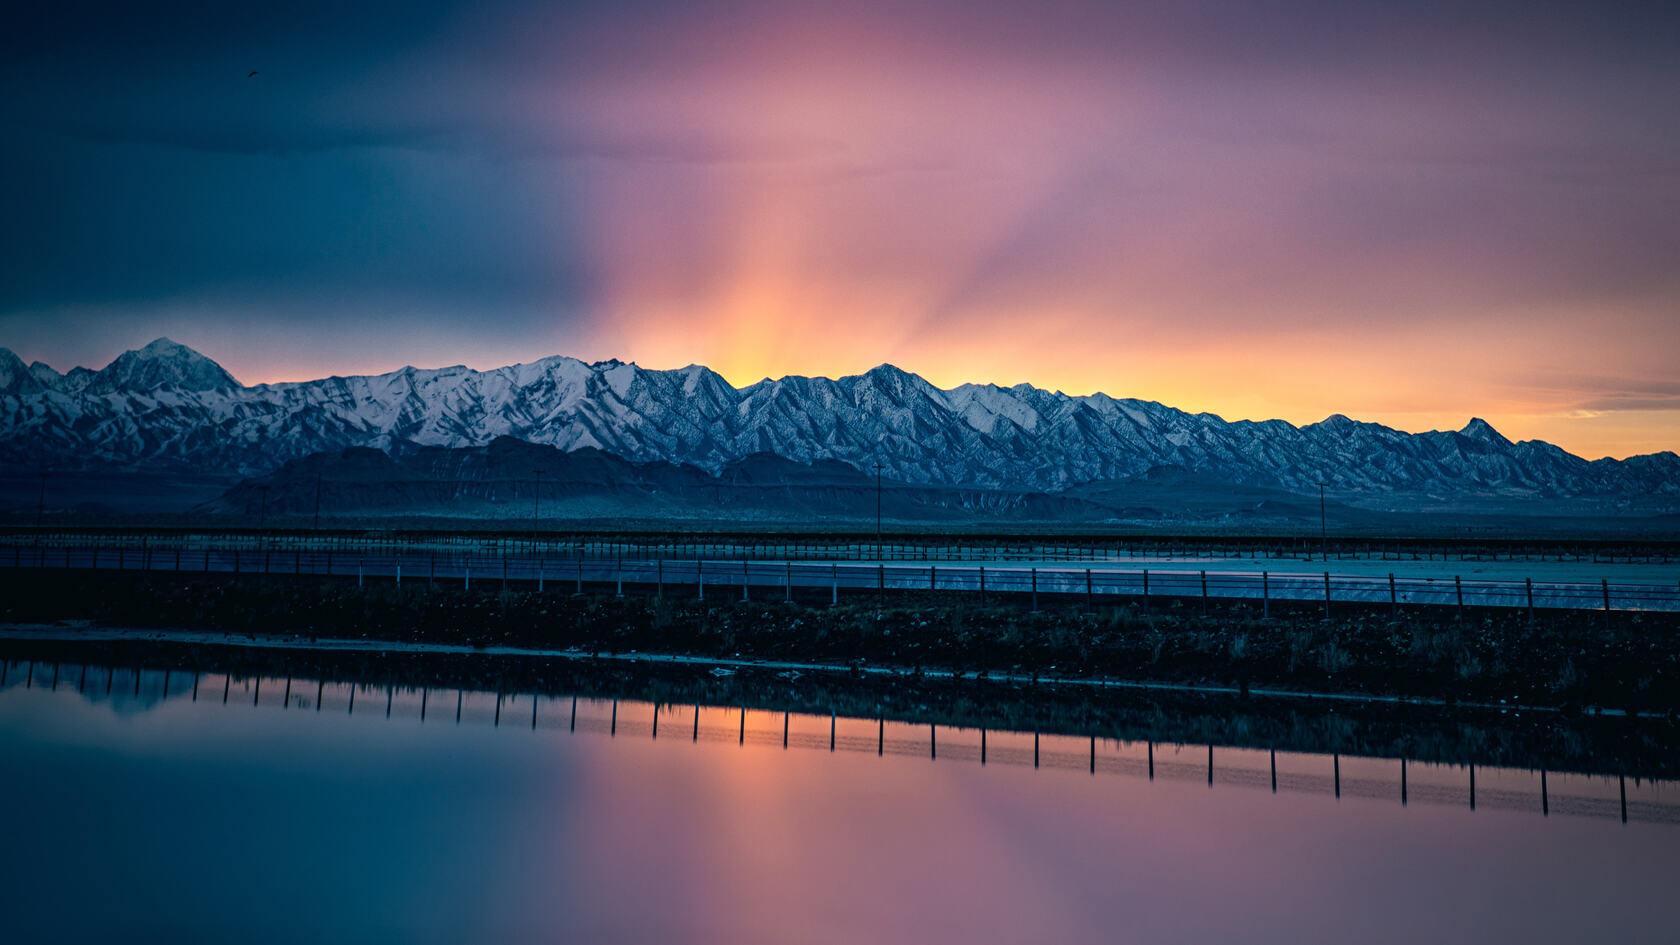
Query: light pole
x=536, y=505
x=1323, y=529
x=40, y=509
x=262, y=518
x=878, y=467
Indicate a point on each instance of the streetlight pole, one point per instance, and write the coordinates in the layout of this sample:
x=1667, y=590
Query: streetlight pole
x=40, y=509
x=536, y=505
x=1323, y=529
x=878, y=467
x=262, y=518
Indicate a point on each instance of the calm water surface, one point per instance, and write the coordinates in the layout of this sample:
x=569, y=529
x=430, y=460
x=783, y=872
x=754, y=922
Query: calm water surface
x=295, y=816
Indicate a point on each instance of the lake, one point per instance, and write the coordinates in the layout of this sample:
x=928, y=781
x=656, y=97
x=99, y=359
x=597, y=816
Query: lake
x=215, y=807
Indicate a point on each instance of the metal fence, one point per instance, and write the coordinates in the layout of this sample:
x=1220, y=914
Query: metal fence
x=771, y=580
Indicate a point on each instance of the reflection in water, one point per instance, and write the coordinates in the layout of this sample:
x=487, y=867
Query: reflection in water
x=1541, y=792
x=421, y=813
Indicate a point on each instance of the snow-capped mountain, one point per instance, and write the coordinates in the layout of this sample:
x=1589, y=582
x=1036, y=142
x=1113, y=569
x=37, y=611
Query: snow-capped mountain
x=167, y=407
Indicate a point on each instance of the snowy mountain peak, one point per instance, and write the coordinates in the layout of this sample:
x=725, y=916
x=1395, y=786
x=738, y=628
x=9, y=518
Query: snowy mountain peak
x=1479, y=429
x=1020, y=437
x=163, y=363
x=15, y=376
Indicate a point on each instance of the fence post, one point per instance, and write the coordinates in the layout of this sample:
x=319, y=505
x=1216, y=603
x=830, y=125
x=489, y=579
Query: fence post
x=1090, y=595
x=1204, y=594
x=1265, y=594
x=700, y=578
x=746, y=579
x=540, y=574
x=982, y=586
x=788, y=598
x=1327, y=595
x=1604, y=583
x=1529, y=583
x=1146, y=590
x=466, y=574
x=358, y=572
x=659, y=577
x=834, y=588
x=881, y=585
x=580, y=573
x=1035, y=589
x=1458, y=588
x=1393, y=599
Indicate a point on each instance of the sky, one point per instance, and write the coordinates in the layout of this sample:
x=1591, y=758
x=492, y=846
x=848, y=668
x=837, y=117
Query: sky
x=1412, y=213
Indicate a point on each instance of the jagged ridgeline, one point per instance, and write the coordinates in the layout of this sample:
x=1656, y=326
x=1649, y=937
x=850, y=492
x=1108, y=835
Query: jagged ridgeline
x=665, y=436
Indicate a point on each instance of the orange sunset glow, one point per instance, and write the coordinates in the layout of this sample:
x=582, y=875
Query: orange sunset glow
x=1221, y=214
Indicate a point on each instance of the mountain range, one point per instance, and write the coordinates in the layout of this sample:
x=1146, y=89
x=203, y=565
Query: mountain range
x=166, y=408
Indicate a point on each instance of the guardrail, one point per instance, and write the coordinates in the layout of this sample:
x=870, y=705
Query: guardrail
x=770, y=580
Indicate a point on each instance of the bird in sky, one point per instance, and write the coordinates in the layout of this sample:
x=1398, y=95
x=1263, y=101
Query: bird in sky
x=252, y=75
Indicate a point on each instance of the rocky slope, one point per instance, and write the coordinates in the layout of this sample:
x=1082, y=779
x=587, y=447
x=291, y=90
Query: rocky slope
x=168, y=408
